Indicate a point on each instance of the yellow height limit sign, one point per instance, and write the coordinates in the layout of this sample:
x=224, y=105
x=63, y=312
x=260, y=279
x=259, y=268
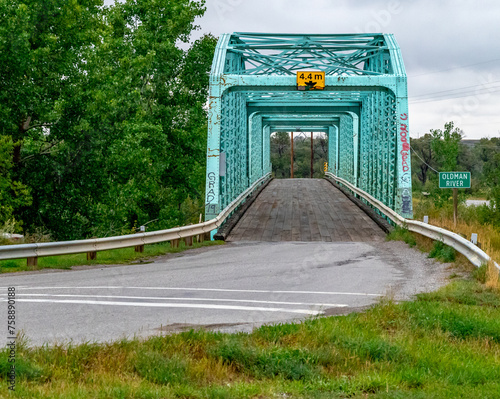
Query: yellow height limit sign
x=310, y=80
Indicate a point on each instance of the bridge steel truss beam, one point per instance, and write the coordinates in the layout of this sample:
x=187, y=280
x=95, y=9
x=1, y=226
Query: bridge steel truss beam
x=363, y=109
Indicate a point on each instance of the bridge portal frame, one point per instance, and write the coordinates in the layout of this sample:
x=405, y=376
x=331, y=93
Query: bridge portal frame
x=365, y=76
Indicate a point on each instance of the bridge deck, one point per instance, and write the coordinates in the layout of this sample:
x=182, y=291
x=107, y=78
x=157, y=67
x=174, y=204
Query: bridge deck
x=304, y=210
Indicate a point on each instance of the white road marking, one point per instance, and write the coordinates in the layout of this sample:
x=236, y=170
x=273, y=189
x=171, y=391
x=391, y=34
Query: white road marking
x=203, y=289
x=330, y=305
x=16, y=286
x=171, y=305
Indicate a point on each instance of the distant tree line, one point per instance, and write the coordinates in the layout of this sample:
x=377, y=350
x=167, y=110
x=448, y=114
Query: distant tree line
x=281, y=155
x=102, y=115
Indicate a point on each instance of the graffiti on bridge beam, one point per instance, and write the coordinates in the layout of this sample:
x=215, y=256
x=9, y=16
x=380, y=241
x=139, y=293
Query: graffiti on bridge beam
x=405, y=177
x=407, y=201
x=210, y=207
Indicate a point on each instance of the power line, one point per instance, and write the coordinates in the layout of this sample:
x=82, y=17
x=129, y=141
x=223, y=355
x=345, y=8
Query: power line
x=475, y=93
x=480, y=123
x=478, y=91
x=467, y=93
x=458, y=89
x=416, y=153
x=457, y=67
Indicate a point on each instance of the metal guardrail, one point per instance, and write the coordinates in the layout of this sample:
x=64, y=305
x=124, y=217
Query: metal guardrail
x=473, y=253
x=131, y=240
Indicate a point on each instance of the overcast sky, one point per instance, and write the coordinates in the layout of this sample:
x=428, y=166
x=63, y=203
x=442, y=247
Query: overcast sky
x=450, y=48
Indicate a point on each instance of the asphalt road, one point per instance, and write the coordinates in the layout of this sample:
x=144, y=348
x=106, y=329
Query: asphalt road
x=234, y=287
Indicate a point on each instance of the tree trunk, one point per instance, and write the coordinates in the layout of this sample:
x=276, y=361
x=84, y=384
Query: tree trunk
x=18, y=141
x=16, y=158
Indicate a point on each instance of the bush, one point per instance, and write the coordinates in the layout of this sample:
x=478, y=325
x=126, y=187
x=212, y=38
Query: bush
x=402, y=234
x=442, y=252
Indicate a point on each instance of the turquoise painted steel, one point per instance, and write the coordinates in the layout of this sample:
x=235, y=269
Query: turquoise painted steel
x=363, y=109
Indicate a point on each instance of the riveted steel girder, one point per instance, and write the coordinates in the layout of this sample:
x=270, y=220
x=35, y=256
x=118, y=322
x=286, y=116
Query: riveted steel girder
x=363, y=108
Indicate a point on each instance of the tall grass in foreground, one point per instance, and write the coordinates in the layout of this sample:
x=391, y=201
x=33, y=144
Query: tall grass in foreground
x=444, y=344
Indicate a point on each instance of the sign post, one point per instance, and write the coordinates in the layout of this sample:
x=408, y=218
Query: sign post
x=454, y=180
x=312, y=156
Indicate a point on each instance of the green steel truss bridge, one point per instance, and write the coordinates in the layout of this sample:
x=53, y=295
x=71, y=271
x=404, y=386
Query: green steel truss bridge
x=363, y=108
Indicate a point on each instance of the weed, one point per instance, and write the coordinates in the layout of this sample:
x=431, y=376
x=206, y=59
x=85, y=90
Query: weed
x=480, y=274
x=402, y=234
x=372, y=349
x=24, y=369
x=161, y=369
x=492, y=276
x=288, y=364
x=442, y=252
x=463, y=292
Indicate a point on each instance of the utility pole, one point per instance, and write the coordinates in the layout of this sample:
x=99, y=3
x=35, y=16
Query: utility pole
x=291, y=173
x=312, y=157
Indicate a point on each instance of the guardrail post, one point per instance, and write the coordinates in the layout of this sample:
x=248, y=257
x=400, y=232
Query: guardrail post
x=189, y=241
x=199, y=237
x=174, y=243
x=140, y=248
x=92, y=255
x=32, y=261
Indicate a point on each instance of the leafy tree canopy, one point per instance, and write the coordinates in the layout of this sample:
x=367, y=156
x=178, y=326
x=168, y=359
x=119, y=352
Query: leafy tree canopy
x=103, y=113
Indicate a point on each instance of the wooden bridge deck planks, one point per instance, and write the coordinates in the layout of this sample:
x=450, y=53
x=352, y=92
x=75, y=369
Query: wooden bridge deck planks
x=304, y=210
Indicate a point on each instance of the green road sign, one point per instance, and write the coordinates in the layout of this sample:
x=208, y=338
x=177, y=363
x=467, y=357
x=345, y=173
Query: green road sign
x=454, y=179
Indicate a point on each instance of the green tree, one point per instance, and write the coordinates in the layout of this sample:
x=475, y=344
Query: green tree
x=13, y=194
x=280, y=155
x=41, y=49
x=40, y=54
x=492, y=180
x=484, y=153
x=424, y=159
x=120, y=137
x=446, y=145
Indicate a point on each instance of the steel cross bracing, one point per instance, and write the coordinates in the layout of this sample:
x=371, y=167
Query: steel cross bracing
x=363, y=109
x=339, y=55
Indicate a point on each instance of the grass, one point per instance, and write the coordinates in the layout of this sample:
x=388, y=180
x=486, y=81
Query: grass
x=488, y=234
x=468, y=222
x=444, y=344
x=112, y=257
x=442, y=252
x=401, y=234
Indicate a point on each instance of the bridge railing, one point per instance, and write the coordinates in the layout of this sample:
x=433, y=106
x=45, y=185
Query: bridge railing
x=31, y=251
x=473, y=253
